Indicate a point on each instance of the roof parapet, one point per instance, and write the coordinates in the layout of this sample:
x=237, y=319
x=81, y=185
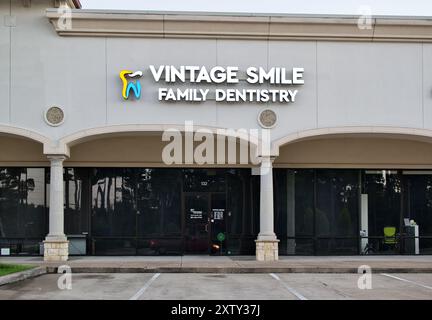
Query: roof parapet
x=242, y=26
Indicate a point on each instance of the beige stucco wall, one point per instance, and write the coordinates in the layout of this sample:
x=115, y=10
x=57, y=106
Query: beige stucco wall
x=133, y=151
x=356, y=153
x=21, y=152
x=136, y=151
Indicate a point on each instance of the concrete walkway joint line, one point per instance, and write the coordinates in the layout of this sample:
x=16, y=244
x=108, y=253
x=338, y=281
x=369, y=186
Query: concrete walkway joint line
x=406, y=280
x=137, y=295
x=291, y=290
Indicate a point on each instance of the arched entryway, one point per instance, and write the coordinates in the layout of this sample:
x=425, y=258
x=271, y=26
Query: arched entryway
x=353, y=190
x=23, y=213
x=124, y=199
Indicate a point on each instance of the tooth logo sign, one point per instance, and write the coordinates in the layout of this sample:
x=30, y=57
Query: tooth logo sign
x=135, y=86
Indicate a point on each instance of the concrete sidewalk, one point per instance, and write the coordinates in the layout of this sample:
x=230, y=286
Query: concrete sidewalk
x=234, y=264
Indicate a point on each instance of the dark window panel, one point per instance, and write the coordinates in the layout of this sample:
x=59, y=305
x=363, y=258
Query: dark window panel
x=22, y=203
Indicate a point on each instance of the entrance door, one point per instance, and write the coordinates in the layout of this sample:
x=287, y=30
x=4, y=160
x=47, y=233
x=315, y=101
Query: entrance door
x=197, y=223
x=217, y=223
x=204, y=223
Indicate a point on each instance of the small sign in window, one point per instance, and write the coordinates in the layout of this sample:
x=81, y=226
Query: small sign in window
x=195, y=214
x=218, y=214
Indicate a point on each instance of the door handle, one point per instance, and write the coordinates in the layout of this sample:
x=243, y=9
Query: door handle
x=206, y=227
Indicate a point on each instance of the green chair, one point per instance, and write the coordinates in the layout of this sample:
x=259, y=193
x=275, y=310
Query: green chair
x=390, y=236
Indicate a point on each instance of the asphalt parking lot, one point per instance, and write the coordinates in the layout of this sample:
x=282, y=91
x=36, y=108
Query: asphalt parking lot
x=155, y=286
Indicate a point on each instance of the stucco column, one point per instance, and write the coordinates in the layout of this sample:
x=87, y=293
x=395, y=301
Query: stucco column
x=56, y=244
x=267, y=243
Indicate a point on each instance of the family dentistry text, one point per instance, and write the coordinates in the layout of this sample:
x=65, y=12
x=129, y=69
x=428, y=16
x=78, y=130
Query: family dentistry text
x=278, y=77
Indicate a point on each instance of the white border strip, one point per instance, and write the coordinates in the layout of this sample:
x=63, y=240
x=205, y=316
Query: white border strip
x=137, y=295
x=291, y=290
x=406, y=280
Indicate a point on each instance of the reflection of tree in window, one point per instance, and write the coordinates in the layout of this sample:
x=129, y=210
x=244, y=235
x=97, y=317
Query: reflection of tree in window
x=22, y=202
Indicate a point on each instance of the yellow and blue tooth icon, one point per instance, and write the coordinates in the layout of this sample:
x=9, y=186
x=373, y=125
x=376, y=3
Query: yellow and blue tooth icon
x=135, y=86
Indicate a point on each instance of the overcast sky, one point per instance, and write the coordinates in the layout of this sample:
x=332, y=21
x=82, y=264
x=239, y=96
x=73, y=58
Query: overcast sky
x=377, y=7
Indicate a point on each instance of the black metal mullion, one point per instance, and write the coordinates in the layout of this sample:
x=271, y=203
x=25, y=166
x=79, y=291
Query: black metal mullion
x=359, y=212
x=314, y=211
x=401, y=210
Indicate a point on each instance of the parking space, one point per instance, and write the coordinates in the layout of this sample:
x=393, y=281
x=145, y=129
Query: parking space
x=151, y=286
x=345, y=286
x=84, y=286
x=216, y=286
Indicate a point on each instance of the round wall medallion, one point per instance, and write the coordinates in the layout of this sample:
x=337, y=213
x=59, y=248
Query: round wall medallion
x=54, y=116
x=267, y=118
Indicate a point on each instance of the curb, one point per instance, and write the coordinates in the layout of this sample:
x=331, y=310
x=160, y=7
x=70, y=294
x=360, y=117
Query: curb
x=23, y=275
x=235, y=270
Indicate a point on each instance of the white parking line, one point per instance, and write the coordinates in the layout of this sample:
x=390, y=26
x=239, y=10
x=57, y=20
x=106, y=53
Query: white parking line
x=141, y=291
x=406, y=280
x=293, y=291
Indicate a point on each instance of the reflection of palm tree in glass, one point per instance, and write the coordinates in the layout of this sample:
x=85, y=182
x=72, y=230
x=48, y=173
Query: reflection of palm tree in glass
x=101, y=225
x=80, y=176
x=100, y=195
x=14, y=189
x=9, y=190
x=108, y=199
x=98, y=179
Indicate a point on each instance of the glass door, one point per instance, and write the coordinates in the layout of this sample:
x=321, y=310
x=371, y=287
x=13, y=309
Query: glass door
x=197, y=223
x=218, y=224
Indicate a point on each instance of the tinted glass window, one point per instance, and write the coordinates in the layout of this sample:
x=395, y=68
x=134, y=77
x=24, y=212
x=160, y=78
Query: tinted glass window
x=76, y=200
x=113, y=202
x=418, y=195
x=304, y=202
x=417, y=192
x=383, y=188
x=316, y=211
x=337, y=203
x=159, y=202
x=22, y=203
x=238, y=221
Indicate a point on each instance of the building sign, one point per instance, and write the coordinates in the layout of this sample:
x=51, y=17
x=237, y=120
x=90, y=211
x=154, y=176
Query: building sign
x=195, y=214
x=129, y=84
x=274, y=83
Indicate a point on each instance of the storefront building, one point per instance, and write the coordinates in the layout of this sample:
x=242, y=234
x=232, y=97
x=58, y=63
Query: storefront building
x=88, y=99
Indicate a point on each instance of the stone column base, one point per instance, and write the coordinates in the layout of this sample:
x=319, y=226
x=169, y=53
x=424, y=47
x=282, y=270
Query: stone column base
x=267, y=250
x=56, y=250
